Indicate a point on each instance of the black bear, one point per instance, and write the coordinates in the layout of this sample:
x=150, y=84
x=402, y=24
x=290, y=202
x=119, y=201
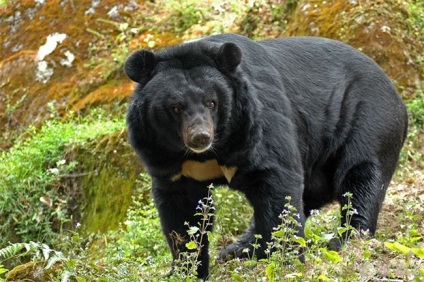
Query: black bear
x=305, y=117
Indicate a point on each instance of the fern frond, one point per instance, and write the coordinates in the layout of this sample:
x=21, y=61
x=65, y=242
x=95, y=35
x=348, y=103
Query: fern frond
x=11, y=250
x=54, y=259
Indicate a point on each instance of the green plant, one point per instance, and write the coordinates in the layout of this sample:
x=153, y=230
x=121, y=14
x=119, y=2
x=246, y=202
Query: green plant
x=416, y=109
x=36, y=250
x=33, y=206
x=408, y=241
x=187, y=263
x=416, y=17
x=346, y=231
x=115, y=41
x=139, y=239
x=184, y=14
x=285, y=240
x=412, y=157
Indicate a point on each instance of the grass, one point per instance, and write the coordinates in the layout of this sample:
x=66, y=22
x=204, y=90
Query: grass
x=138, y=251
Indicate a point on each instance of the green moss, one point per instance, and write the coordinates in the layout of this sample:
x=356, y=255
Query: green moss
x=109, y=170
x=31, y=271
x=107, y=197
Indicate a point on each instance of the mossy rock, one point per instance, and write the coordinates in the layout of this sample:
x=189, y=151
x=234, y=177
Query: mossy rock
x=31, y=271
x=25, y=26
x=98, y=39
x=104, y=182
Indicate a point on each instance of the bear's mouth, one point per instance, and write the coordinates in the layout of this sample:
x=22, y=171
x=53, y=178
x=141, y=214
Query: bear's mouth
x=199, y=150
x=199, y=140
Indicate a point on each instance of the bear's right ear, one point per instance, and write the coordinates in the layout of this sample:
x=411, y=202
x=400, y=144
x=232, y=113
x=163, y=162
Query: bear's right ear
x=139, y=66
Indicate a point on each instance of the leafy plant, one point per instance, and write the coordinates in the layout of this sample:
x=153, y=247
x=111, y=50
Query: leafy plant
x=285, y=239
x=416, y=109
x=33, y=207
x=37, y=250
x=115, y=41
x=139, y=238
x=186, y=265
x=346, y=231
x=185, y=14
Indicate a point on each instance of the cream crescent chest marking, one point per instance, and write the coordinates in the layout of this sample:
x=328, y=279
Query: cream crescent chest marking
x=203, y=171
x=229, y=172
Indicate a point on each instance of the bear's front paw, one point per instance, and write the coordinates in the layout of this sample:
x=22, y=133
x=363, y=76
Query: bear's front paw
x=335, y=244
x=236, y=250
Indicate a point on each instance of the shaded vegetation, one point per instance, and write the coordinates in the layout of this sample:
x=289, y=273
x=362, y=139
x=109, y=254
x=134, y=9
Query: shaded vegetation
x=36, y=206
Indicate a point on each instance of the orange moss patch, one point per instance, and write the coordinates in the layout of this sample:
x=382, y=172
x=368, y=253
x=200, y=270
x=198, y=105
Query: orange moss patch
x=318, y=18
x=112, y=90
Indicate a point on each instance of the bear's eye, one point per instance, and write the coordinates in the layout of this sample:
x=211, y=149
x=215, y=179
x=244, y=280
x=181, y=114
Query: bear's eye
x=177, y=109
x=211, y=104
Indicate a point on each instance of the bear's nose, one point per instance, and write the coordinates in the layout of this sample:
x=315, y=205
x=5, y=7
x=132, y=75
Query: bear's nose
x=201, y=139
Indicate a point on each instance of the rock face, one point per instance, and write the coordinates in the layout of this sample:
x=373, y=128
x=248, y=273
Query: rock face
x=107, y=180
x=47, y=48
x=64, y=52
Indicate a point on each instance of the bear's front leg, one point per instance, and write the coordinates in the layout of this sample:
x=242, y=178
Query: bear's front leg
x=177, y=203
x=267, y=192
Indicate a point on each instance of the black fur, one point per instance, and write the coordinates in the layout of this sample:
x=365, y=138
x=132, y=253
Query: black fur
x=305, y=117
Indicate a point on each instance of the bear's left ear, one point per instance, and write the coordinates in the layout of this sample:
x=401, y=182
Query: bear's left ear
x=139, y=66
x=228, y=57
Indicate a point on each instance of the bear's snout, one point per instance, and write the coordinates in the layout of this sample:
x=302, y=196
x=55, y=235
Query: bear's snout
x=199, y=139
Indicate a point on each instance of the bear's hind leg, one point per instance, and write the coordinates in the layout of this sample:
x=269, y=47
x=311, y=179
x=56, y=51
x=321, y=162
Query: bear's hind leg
x=361, y=209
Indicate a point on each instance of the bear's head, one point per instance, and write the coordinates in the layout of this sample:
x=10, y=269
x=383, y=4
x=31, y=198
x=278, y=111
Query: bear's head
x=184, y=96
